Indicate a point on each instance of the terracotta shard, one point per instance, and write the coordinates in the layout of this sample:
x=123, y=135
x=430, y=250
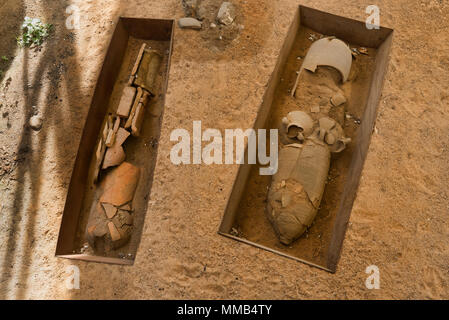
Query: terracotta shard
x=137, y=118
x=99, y=156
x=126, y=207
x=136, y=125
x=109, y=210
x=105, y=131
x=134, y=107
x=120, y=184
x=110, y=138
x=123, y=218
x=126, y=101
x=148, y=70
x=115, y=235
x=115, y=155
x=329, y=52
x=338, y=99
x=116, y=124
x=315, y=109
x=138, y=60
x=122, y=135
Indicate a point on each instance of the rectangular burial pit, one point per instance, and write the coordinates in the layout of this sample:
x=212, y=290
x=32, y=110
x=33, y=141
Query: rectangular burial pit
x=109, y=189
x=245, y=218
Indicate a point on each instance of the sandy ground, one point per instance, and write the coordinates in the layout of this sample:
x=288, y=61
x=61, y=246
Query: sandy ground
x=400, y=219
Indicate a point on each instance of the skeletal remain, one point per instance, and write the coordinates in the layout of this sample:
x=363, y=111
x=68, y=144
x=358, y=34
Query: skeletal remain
x=297, y=188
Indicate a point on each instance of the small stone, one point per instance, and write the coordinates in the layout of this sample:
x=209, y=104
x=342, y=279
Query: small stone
x=190, y=7
x=226, y=13
x=190, y=23
x=315, y=109
x=36, y=122
x=213, y=25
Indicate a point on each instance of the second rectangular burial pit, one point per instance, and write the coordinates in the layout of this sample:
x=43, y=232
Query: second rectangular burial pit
x=246, y=214
x=111, y=181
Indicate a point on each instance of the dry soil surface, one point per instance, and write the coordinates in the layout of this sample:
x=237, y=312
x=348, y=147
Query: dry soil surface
x=400, y=219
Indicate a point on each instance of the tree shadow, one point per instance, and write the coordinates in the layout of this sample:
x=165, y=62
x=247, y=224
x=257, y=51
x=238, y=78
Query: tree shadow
x=12, y=11
x=58, y=65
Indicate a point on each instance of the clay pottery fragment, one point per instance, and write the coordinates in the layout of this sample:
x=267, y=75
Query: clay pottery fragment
x=298, y=125
x=134, y=107
x=109, y=210
x=122, y=135
x=113, y=232
x=329, y=52
x=126, y=101
x=115, y=155
x=315, y=109
x=330, y=138
x=123, y=217
x=126, y=207
x=136, y=126
x=110, y=138
x=148, y=71
x=120, y=184
x=138, y=60
x=338, y=99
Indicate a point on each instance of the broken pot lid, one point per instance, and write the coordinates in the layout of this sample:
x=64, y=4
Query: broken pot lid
x=329, y=52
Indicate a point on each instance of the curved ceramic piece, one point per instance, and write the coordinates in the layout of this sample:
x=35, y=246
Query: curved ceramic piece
x=329, y=52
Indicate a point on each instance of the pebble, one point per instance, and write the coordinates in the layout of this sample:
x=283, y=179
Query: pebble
x=190, y=23
x=226, y=13
x=190, y=7
x=36, y=122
